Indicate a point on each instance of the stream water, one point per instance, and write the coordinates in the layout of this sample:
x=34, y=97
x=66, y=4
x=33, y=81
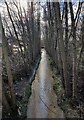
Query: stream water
x=43, y=101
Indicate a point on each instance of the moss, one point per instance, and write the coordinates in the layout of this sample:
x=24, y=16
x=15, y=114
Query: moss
x=28, y=90
x=22, y=105
x=23, y=102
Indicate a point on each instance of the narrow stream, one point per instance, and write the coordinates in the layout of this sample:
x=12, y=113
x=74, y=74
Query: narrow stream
x=43, y=101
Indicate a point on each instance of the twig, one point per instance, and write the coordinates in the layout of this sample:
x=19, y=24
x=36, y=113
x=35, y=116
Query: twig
x=47, y=106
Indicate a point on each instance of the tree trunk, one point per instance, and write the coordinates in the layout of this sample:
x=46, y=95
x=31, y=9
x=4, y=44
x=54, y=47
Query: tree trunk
x=74, y=52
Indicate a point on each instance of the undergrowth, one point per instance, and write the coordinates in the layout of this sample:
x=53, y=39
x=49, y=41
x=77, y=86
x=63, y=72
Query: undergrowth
x=23, y=102
x=63, y=102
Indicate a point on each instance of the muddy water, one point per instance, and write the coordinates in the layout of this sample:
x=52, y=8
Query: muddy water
x=43, y=101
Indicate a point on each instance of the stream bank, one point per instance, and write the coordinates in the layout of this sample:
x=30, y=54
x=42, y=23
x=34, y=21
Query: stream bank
x=23, y=90
x=63, y=103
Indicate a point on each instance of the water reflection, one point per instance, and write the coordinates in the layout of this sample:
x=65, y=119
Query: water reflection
x=42, y=103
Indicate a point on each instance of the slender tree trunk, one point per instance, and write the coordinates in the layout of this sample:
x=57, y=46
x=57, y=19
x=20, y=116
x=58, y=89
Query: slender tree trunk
x=66, y=50
x=74, y=52
x=32, y=29
x=82, y=48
